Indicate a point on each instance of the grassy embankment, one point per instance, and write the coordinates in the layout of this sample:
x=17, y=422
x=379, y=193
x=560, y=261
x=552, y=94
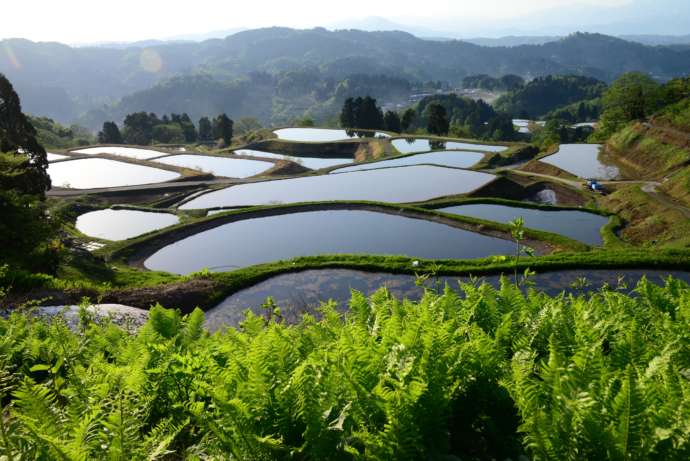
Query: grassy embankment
x=652, y=152
x=96, y=277
x=659, y=153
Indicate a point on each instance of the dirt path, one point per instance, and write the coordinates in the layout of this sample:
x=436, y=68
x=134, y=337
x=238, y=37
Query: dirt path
x=577, y=184
x=650, y=189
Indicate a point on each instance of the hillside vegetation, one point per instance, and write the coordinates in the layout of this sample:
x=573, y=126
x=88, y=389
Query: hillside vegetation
x=543, y=95
x=484, y=374
x=651, y=151
x=65, y=83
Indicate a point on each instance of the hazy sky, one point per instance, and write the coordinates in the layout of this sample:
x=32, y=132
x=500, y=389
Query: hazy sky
x=84, y=21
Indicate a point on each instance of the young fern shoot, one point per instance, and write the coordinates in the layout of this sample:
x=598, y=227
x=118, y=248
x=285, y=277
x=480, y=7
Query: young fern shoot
x=517, y=231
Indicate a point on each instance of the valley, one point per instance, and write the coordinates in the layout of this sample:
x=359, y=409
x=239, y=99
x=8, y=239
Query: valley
x=303, y=244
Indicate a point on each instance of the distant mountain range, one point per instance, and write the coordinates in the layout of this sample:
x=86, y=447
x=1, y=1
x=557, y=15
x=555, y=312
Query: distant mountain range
x=66, y=83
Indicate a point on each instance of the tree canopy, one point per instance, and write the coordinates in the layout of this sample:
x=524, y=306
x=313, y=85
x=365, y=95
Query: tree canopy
x=508, y=82
x=361, y=113
x=223, y=129
x=438, y=120
x=24, y=223
x=110, y=134
x=633, y=96
x=544, y=94
x=17, y=136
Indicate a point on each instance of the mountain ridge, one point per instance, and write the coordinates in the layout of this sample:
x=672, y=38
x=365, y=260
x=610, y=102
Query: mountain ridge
x=66, y=82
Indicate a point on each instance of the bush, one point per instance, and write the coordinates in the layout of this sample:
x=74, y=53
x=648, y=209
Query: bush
x=478, y=374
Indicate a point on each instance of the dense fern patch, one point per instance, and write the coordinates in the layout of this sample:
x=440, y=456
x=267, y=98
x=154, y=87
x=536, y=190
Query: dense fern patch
x=475, y=374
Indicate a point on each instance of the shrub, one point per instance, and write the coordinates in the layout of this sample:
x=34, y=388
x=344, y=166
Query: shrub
x=479, y=374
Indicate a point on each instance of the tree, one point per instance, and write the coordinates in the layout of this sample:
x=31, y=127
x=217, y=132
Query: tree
x=138, y=128
x=205, y=129
x=408, y=119
x=110, y=134
x=222, y=129
x=246, y=125
x=544, y=94
x=188, y=129
x=168, y=133
x=347, y=114
x=510, y=82
x=368, y=116
x=501, y=128
x=18, y=136
x=438, y=120
x=391, y=122
x=633, y=96
x=24, y=222
x=305, y=122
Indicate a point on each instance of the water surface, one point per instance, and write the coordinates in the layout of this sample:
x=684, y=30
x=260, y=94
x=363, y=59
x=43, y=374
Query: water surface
x=123, y=224
x=522, y=125
x=578, y=225
x=51, y=157
x=400, y=185
x=582, y=160
x=454, y=159
x=303, y=292
x=140, y=154
x=313, y=163
x=95, y=173
x=321, y=134
x=218, y=166
x=254, y=241
x=411, y=146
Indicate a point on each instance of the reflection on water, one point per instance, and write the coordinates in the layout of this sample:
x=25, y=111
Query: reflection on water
x=546, y=196
x=410, y=146
x=397, y=185
x=122, y=224
x=453, y=159
x=578, y=225
x=582, y=160
x=140, y=154
x=324, y=134
x=313, y=163
x=218, y=166
x=52, y=157
x=274, y=238
x=303, y=292
x=94, y=173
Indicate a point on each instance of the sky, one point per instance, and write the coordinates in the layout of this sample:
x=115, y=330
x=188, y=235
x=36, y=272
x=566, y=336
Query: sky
x=93, y=21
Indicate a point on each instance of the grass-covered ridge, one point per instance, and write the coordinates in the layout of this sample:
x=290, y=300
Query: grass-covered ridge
x=137, y=249
x=481, y=374
x=649, y=151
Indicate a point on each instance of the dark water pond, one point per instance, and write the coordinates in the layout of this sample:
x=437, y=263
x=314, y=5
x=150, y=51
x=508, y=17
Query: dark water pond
x=95, y=173
x=453, y=159
x=582, y=160
x=409, y=146
x=313, y=163
x=578, y=225
x=123, y=224
x=320, y=134
x=397, y=185
x=303, y=292
x=218, y=166
x=260, y=240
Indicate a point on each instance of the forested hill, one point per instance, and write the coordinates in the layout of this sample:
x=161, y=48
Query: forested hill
x=65, y=82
